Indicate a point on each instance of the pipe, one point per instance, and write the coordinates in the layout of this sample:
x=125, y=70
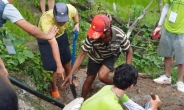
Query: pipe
x=36, y=93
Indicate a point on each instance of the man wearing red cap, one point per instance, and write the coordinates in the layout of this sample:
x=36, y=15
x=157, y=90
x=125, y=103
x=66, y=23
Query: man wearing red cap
x=103, y=45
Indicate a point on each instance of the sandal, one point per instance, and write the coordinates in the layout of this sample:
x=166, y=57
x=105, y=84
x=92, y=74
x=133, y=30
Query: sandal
x=75, y=83
x=55, y=94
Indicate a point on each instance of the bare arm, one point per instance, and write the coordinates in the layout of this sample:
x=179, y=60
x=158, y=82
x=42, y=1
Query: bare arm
x=78, y=61
x=76, y=65
x=4, y=79
x=55, y=51
x=155, y=103
x=129, y=56
x=35, y=31
x=76, y=21
x=3, y=68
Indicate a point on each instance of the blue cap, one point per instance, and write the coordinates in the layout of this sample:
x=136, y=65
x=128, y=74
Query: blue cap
x=61, y=12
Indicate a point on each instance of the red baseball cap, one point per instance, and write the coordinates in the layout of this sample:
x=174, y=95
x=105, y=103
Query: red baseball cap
x=99, y=24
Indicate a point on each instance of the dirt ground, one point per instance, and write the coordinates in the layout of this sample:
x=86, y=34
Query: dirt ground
x=170, y=97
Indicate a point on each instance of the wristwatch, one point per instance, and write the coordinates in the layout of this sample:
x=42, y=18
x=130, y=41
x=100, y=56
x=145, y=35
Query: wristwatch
x=76, y=23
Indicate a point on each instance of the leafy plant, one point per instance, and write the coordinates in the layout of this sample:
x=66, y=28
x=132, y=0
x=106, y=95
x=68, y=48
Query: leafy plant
x=25, y=61
x=145, y=56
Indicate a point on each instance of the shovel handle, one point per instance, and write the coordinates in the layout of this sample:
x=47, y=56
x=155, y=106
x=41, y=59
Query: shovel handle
x=154, y=97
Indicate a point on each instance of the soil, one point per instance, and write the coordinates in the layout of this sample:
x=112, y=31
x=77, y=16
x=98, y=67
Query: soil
x=170, y=97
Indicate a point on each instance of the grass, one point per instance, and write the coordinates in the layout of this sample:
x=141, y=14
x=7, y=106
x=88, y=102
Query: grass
x=125, y=8
x=29, y=14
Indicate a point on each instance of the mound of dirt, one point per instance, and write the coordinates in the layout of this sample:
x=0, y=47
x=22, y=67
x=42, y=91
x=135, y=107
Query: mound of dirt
x=170, y=97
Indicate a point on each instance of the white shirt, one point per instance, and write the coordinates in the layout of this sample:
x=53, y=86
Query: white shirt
x=11, y=13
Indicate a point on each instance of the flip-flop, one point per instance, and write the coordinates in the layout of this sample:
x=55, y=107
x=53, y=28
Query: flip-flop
x=55, y=94
x=75, y=83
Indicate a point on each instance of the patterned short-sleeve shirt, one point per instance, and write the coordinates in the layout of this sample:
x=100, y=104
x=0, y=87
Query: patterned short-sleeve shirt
x=97, y=51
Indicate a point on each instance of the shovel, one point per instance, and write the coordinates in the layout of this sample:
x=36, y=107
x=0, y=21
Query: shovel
x=72, y=87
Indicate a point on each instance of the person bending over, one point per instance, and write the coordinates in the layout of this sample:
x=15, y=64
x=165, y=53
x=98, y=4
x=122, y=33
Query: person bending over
x=103, y=45
x=55, y=53
x=110, y=97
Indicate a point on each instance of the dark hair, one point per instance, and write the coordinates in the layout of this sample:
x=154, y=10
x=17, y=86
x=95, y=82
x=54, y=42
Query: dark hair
x=8, y=97
x=100, y=38
x=125, y=75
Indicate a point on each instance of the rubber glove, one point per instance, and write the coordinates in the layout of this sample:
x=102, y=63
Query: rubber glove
x=156, y=33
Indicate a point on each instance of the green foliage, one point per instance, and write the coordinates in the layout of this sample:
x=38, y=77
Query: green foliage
x=137, y=11
x=120, y=60
x=146, y=63
x=39, y=107
x=24, y=61
x=132, y=9
x=28, y=15
x=144, y=57
x=174, y=74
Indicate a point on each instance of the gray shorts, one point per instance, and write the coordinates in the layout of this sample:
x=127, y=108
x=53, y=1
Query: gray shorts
x=172, y=45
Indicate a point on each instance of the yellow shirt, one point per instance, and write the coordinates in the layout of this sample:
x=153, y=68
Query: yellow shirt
x=47, y=20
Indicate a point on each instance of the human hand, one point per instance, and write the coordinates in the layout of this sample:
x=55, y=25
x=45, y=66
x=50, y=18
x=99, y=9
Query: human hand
x=156, y=33
x=67, y=79
x=155, y=103
x=75, y=35
x=76, y=27
x=4, y=71
x=52, y=32
x=60, y=72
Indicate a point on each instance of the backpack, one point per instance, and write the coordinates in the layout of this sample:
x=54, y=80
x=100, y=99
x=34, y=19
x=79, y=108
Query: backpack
x=2, y=6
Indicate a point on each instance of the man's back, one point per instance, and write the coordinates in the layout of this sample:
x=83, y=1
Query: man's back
x=105, y=99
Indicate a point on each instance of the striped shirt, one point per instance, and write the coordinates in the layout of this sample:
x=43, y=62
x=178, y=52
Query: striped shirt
x=97, y=51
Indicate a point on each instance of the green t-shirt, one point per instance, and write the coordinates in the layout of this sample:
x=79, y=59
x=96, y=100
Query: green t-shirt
x=104, y=99
x=178, y=7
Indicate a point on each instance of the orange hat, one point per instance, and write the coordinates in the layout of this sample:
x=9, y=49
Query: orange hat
x=99, y=24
